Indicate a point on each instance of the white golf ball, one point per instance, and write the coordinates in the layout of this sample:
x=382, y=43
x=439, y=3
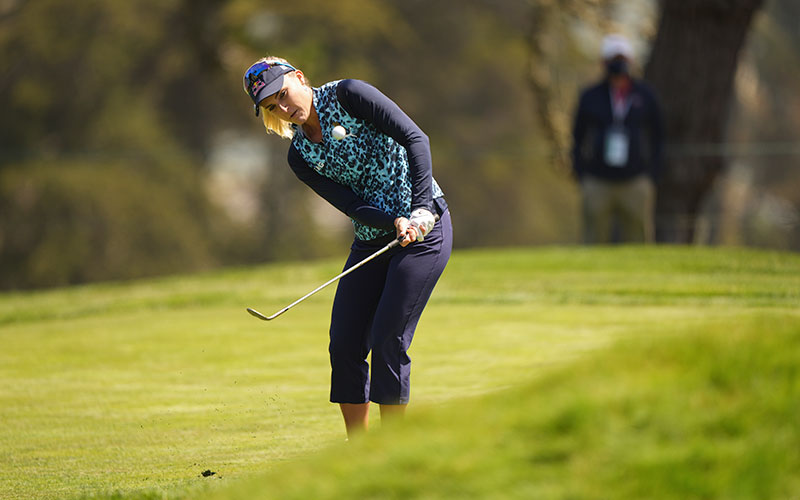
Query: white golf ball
x=338, y=132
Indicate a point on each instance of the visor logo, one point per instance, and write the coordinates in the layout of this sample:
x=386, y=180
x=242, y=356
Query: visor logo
x=256, y=86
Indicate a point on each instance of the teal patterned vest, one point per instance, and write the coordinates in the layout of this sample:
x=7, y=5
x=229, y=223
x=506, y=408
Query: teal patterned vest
x=367, y=161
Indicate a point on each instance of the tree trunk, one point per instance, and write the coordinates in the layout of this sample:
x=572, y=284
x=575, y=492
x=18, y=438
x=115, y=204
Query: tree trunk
x=692, y=67
x=544, y=32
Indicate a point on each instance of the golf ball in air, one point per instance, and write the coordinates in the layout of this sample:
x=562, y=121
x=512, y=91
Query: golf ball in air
x=339, y=132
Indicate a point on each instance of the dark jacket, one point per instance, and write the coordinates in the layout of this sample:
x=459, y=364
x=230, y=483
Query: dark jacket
x=643, y=123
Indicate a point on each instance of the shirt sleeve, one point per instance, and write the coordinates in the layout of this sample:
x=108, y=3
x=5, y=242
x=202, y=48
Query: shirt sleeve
x=364, y=101
x=338, y=195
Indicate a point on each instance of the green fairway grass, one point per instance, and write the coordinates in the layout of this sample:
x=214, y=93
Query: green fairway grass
x=627, y=372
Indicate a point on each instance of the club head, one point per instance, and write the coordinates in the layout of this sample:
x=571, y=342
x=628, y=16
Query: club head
x=257, y=314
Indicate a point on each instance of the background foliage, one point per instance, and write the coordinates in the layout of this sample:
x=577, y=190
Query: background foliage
x=128, y=149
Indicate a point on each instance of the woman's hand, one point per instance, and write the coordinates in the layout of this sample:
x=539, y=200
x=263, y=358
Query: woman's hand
x=406, y=230
x=423, y=221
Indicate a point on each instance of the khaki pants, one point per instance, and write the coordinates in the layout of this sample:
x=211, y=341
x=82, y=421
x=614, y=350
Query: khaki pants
x=629, y=204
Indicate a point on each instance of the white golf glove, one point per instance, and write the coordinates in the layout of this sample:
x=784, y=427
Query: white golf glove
x=423, y=221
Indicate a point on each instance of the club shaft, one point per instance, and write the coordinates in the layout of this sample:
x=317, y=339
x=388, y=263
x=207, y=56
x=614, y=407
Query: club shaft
x=344, y=273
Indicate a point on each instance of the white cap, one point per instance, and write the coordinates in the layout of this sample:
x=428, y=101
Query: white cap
x=616, y=45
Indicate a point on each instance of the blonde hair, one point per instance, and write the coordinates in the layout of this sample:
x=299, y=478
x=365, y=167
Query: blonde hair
x=272, y=123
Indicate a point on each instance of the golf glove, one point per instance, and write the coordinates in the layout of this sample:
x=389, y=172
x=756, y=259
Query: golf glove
x=423, y=220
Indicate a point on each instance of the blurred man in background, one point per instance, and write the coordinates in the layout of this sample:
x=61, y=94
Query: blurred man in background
x=618, y=136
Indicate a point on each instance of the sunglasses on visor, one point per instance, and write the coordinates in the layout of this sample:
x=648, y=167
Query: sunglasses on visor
x=260, y=74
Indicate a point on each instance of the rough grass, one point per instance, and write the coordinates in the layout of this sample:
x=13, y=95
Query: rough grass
x=708, y=413
x=629, y=372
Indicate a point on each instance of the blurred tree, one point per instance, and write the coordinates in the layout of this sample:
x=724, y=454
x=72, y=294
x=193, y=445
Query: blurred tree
x=546, y=41
x=74, y=222
x=99, y=159
x=692, y=67
x=766, y=116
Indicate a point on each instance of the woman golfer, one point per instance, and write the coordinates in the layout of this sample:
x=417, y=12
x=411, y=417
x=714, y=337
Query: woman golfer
x=358, y=150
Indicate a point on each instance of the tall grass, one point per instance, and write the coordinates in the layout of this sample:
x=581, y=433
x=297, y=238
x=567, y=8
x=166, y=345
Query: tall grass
x=706, y=413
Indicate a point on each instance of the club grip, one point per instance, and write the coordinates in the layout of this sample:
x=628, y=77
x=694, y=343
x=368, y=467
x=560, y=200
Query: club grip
x=400, y=238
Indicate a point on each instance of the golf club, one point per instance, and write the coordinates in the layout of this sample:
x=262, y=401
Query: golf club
x=383, y=250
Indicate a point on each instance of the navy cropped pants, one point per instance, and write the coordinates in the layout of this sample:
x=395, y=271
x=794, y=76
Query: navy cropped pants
x=377, y=308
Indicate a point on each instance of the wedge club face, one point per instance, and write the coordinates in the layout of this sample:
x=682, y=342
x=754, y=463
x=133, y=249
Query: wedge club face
x=259, y=315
